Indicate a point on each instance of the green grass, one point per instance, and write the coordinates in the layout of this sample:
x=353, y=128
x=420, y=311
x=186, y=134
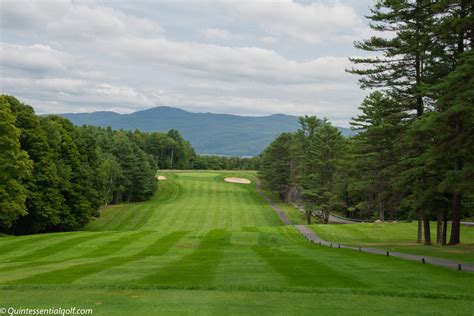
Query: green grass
x=399, y=237
x=171, y=301
x=198, y=201
x=294, y=214
x=206, y=246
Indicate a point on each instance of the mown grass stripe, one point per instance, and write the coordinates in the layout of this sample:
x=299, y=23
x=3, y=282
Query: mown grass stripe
x=58, y=247
x=196, y=268
x=73, y=273
x=22, y=242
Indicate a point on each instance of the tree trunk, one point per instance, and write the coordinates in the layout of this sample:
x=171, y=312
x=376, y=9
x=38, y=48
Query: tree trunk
x=308, y=217
x=445, y=228
x=439, y=228
x=457, y=197
x=282, y=196
x=426, y=222
x=419, y=238
x=382, y=212
x=456, y=222
x=326, y=217
x=458, y=164
x=172, y=157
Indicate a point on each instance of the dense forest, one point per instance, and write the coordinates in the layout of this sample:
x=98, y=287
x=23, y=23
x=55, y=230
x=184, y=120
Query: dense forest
x=54, y=176
x=413, y=156
x=206, y=162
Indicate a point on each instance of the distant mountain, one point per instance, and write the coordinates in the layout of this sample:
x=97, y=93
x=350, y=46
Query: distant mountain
x=209, y=133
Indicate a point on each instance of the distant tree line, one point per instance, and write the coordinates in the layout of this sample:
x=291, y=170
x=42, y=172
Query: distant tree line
x=413, y=156
x=209, y=162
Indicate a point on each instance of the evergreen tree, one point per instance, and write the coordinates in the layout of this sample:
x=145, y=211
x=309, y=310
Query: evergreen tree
x=275, y=167
x=404, y=71
x=402, y=68
x=379, y=127
x=455, y=142
x=321, y=166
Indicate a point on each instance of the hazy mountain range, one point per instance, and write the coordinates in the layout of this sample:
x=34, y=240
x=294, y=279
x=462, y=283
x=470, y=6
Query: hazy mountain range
x=209, y=133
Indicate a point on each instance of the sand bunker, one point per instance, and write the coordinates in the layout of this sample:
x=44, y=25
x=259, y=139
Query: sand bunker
x=161, y=178
x=238, y=180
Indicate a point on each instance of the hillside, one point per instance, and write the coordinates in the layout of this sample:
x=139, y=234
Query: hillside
x=209, y=133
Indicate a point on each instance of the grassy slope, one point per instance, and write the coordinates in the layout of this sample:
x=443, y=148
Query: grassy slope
x=208, y=246
x=398, y=237
x=293, y=214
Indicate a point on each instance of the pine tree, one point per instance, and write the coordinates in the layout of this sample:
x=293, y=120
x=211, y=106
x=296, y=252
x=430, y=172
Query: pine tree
x=321, y=163
x=455, y=146
x=379, y=127
x=275, y=167
x=403, y=71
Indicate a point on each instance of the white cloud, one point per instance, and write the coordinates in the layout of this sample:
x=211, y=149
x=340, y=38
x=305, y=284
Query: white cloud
x=73, y=20
x=217, y=34
x=97, y=22
x=27, y=15
x=231, y=63
x=41, y=60
x=311, y=23
x=269, y=39
x=124, y=94
x=34, y=58
x=46, y=85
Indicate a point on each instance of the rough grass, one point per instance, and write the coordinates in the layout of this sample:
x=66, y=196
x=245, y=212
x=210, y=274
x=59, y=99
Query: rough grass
x=206, y=246
x=399, y=237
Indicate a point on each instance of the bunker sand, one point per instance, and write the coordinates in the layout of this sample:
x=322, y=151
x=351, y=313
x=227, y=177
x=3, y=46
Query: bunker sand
x=238, y=180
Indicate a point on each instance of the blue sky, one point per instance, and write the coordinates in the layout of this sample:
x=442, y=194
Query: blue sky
x=240, y=57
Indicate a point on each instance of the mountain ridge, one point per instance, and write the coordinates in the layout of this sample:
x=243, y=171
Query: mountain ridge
x=209, y=133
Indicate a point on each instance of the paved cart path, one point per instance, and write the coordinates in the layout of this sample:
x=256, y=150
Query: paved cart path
x=275, y=207
x=332, y=219
x=312, y=237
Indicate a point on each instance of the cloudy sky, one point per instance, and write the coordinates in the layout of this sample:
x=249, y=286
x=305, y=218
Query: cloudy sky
x=240, y=57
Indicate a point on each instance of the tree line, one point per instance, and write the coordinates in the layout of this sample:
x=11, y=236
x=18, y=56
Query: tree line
x=55, y=176
x=413, y=156
x=210, y=162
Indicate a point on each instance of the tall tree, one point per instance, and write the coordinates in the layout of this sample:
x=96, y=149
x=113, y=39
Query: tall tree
x=44, y=200
x=275, y=167
x=321, y=166
x=455, y=145
x=15, y=168
x=112, y=176
x=379, y=128
x=403, y=72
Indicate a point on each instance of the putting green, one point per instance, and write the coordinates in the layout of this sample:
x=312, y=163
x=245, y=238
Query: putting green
x=202, y=244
